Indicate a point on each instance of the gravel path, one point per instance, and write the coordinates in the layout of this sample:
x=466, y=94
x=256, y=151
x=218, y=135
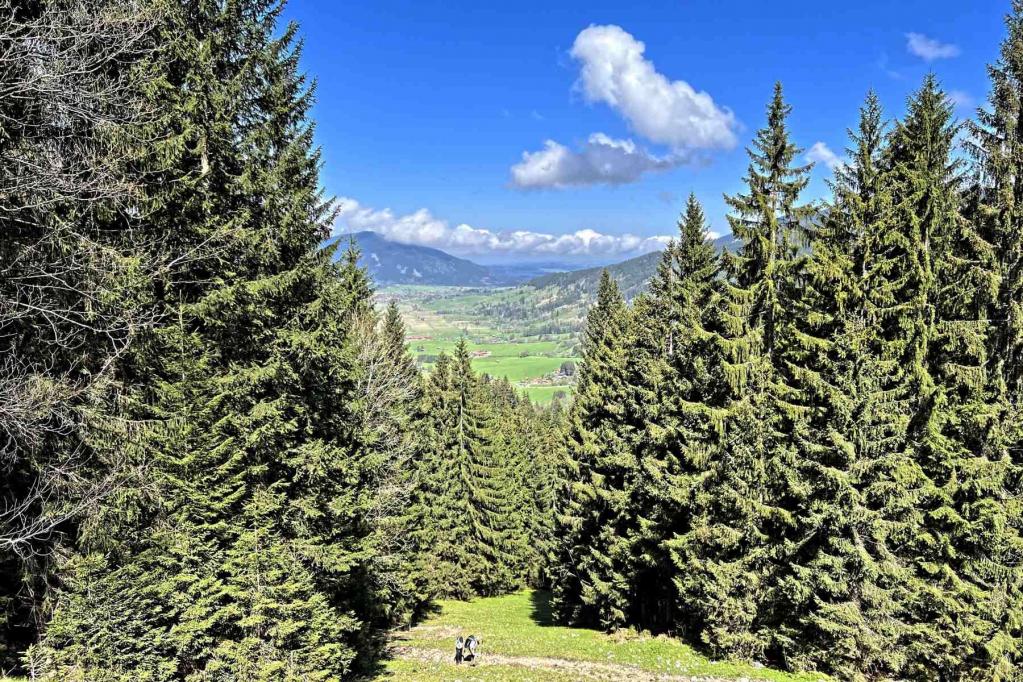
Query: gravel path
x=585, y=670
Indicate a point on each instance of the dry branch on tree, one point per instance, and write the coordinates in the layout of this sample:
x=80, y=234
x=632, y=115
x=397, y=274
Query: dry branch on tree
x=71, y=103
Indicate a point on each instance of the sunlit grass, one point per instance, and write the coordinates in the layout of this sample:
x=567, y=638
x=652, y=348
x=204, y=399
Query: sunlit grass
x=520, y=625
x=545, y=394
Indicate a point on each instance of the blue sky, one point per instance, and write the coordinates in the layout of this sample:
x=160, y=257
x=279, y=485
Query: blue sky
x=425, y=109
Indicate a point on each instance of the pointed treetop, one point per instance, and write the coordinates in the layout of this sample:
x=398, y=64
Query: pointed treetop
x=352, y=253
x=778, y=110
x=604, y=316
x=927, y=134
x=869, y=134
x=354, y=277
x=608, y=293
x=394, y=325
x=692, y=225
x=461, y=350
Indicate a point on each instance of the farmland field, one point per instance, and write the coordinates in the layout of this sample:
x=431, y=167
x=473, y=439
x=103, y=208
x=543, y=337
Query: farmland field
x=529, y=355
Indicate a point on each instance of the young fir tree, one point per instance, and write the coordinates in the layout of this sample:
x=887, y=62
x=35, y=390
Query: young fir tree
x=595, y=582
x=438, y=492
x=742, y=524
x=543, y=464
x=392, y=420
x=471, y=494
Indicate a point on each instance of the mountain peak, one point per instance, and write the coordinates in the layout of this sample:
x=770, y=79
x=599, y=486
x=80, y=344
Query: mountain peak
x=390, y=262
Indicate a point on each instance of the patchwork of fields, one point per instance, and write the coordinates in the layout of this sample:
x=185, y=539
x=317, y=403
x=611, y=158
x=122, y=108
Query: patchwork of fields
x=537, y=355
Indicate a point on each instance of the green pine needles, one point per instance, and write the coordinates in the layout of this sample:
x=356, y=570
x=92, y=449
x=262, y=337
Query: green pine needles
x=221, y=462
x=806, y=452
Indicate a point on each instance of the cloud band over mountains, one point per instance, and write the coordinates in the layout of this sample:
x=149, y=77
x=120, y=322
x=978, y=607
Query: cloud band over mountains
x=424, y=229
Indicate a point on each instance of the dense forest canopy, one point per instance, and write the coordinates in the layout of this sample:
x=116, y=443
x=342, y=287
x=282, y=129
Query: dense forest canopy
x=221, y=462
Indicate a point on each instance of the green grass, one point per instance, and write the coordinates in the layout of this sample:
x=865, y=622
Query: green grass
x=497, y=348
x=443, y=315
x=520, y=625
x=545, y=394
x=518, y=369
x=426, y=671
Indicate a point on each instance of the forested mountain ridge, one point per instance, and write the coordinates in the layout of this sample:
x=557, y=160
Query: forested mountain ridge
x=633, y=275
x=389, y=263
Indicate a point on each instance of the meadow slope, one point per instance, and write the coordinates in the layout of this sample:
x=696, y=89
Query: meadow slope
x=521, y=643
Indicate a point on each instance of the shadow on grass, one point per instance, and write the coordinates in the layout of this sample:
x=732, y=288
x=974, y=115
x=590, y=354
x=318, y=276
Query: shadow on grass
x=542, y=612
x=373, y=664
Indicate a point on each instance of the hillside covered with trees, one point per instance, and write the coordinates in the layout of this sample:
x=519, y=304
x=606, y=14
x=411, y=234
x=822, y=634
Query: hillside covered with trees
x=812, y=455
x=222, y=463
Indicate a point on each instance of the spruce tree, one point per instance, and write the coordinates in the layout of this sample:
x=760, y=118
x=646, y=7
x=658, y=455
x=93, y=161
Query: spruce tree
x=439, y=495
x=997, y=146
x=673, y=360
x=251, y=550
x=839, y=606
x=472, y=492
x=995, y=209
x=595, y=580
x=543, y=463
x=958, y=551
x=742, y=525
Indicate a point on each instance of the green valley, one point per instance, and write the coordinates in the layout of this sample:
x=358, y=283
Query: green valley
x=524, y=333
x=538, y=358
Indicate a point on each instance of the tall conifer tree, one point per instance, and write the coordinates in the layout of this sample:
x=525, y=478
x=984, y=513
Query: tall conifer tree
x=956, y=552
x=251, y=553
x=742, y=520
x=594, y=583
x=839, y=603
x=674, y=359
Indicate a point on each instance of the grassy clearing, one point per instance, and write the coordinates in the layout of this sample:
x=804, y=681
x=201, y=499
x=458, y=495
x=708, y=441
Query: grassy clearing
x=427, y=671
x=521, y=643
x=545, y=394
x=518, y=369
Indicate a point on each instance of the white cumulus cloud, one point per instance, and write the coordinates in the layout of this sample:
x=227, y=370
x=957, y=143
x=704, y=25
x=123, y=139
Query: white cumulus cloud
x=601, y=160
x=669, y=112
x=821, y=153
x=930, y=49
x=423, y=228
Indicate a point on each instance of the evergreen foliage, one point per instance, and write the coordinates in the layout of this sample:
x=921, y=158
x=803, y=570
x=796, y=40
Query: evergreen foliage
x=221, y=461
x=819, y=435
x=596, y=567
x=488, y=483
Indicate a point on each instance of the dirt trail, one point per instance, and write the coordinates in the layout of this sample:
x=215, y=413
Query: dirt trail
x=585, y=670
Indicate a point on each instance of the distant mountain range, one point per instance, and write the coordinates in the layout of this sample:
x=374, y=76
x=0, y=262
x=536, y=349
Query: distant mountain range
x=389, y=262
x=632, y=275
